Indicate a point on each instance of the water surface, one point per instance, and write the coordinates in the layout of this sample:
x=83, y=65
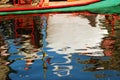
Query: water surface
x=60, y=47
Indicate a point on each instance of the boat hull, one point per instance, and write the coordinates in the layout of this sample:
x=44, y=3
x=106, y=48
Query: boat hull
x=43, y=7
x=101, y=7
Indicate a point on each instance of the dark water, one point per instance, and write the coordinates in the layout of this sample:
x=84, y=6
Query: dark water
x=60, y=47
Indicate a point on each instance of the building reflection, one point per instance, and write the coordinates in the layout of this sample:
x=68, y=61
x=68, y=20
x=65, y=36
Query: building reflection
x=114, y=32
x=24, y=34
x=27, y=41
x=29, y=26
x=101, y=46
x=110, y=47
x=84, y=44
x=28, y=29
x=61, y=43
x=15, y=26
x=68, y=37
x=61, y=66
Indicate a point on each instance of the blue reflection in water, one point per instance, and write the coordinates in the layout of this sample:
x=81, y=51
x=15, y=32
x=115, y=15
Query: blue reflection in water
x=47, y=63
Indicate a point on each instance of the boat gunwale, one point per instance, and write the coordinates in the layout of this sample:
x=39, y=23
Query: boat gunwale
x=40, y=7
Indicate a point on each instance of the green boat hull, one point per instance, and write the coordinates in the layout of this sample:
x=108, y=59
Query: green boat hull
x=102, y=7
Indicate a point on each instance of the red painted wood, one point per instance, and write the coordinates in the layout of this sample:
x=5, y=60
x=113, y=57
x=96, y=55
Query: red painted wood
x=45, y=7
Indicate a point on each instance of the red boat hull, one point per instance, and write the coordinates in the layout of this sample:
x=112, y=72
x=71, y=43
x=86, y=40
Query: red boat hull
x=40, y=7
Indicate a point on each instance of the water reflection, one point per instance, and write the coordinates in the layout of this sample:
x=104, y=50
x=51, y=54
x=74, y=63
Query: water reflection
x=74, y=36
x=60, y=47
x=4, y=69
x=22, y=42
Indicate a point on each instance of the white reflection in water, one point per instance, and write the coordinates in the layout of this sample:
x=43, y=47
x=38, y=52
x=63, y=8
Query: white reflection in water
x=68, y=60
x=62, y=70
x=68, y=34
x=74, y=34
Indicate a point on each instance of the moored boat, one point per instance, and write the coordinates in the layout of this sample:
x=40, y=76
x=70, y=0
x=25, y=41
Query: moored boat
x=46, y=6
x=22, y=5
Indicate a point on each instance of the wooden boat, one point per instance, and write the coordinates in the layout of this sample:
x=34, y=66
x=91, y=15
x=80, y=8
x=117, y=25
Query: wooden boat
x=23, y=5
x=46, y=6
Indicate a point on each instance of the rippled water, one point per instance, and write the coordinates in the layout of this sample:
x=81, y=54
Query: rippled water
x=60, y=47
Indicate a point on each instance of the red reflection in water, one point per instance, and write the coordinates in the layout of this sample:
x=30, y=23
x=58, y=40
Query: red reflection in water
x=108, y=42
x=111, y=20
x=108, y=45
x=24, y=25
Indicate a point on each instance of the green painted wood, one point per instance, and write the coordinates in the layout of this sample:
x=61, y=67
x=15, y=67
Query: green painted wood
x=103, y=7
